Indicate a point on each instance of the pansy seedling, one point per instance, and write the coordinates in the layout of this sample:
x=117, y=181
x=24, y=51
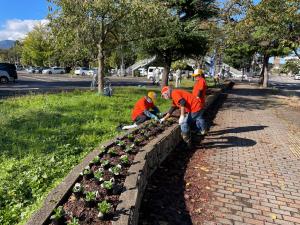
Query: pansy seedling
x=87, y=171
x=112, y=152
x=124, y=159
x=120, y=143
x=104, y=162
x=77, y=188
x=129, y=148
x=96, y=160
x=91, y=196
x=104, y=208
x=58, y=213
x=115, y=170
x=73, y=221
x=137, y=141
x=99, y=174
x=108, y=185
x=130, y=136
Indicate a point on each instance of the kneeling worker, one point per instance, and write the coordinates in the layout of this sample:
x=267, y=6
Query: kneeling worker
x=190, y=111
x=144, y=110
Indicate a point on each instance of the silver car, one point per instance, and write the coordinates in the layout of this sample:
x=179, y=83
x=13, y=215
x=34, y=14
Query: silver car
x=54, y=70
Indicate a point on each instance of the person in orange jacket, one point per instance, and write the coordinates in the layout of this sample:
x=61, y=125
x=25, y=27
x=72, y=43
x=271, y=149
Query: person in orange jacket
x=200, y=85
x=190, y=111
x=144, y=110
x=199, y=91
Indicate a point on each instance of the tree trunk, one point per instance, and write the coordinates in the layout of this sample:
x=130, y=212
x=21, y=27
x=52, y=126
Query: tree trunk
x=165, y=76
x=100, y=68
x=266, y=73
x=264, y=76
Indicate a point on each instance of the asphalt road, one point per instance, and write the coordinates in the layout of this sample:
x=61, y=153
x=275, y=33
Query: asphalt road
x=285, y=83
x=51, y=83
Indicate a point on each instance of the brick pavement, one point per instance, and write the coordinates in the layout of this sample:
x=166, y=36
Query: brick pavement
x=254, y=162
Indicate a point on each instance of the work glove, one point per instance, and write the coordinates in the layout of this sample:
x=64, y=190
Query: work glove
x=162, y=120
x=152, y=116
x=181, y=119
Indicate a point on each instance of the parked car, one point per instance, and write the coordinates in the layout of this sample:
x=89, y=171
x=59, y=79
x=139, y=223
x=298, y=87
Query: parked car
x=297, y=77
x=19, y=67
x=30, y=70
x=39, y=69
x=81, y=71
x=8, y=72
x=92, y=72
x=142, y=71
x=54, y=70
x=150, y=74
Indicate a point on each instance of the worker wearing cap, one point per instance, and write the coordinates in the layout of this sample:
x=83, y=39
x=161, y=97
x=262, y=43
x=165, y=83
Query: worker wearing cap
x=145, y=109
x=200, y=86
x=199, y=91
x=190, y=111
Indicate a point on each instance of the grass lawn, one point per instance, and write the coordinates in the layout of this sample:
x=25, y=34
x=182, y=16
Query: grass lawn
x=42, y=137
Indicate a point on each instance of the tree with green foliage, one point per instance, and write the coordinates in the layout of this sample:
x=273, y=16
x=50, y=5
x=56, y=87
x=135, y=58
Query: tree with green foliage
x=101, y=26
x=267, y=29
x=292, y=66
x=37, y=48
x=180, y=33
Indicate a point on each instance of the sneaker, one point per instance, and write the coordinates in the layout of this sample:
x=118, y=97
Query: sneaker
x=203, y=132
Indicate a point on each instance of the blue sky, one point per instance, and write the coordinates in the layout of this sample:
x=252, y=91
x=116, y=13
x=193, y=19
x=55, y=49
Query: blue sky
x=17, y=17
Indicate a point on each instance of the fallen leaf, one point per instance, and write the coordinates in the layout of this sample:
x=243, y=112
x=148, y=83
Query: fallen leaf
x=204, y=169
x=72, y=198
x=199, y=210
x=273, y=216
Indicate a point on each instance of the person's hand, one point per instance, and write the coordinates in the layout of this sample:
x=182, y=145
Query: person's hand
x=181, y=118
x=162, y=120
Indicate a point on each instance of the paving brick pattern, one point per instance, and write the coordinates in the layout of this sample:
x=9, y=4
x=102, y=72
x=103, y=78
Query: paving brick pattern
x=254, y=160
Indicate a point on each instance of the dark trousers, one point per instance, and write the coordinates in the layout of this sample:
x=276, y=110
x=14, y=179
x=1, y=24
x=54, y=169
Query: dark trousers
x=142, y=118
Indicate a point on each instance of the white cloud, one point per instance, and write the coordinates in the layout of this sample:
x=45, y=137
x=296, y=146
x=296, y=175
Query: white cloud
x=17, y=29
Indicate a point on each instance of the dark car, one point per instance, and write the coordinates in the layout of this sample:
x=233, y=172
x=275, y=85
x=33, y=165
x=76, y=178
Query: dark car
x=8, y=72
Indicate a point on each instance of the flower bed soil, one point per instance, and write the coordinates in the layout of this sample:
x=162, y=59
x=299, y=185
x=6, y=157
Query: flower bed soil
x=75, y=206
x=170, y=195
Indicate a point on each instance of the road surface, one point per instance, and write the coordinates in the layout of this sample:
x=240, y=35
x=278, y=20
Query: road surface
x=45, y=82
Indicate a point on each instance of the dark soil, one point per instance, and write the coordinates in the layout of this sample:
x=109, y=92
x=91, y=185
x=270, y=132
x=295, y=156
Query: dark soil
x=75, y=205
x=179, y=191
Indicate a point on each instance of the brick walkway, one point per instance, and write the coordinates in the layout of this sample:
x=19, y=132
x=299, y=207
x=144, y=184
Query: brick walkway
x=254, y=162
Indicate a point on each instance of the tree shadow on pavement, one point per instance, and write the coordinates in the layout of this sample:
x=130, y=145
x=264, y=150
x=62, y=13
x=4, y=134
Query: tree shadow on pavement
x=228, y=142
x=233, y=130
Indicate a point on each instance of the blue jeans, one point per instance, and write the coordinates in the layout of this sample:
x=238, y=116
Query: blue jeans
x=193, y=121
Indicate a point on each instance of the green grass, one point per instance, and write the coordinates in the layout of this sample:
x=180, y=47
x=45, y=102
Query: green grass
x=42, y=137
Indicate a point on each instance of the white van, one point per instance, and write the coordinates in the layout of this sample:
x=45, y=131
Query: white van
x=150, y=75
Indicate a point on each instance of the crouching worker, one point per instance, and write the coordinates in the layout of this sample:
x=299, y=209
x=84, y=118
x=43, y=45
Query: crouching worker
x=190, y=111
x=144, y=110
